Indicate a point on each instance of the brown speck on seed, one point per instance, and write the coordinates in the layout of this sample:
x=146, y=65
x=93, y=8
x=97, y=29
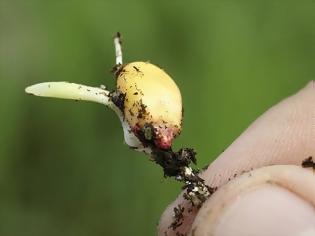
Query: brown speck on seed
x=118, y=98
x=139, y=90
x=131, y=113
x=136, y=68
x=142, y=112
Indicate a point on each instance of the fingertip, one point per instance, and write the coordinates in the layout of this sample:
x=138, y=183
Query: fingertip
x=263, y=200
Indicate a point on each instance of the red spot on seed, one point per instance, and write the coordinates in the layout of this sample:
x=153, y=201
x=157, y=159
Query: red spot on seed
x=164, y=138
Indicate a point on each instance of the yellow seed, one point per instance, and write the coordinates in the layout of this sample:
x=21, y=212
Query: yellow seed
x=151, y=96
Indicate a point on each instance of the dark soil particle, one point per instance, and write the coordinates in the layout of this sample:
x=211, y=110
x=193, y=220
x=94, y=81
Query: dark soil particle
x=118, y=35
x=178, y=217
x=118, y=98
x=142, y=112
x=308, y=163
x=174, y=162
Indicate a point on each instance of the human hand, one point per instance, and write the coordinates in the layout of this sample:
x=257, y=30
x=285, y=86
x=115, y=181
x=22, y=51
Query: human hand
x=262, y=188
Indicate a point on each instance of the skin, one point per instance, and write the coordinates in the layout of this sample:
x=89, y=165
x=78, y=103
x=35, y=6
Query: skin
x=275, y=195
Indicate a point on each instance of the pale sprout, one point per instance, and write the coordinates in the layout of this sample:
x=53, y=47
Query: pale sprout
x=146, y=100
x=149, y=105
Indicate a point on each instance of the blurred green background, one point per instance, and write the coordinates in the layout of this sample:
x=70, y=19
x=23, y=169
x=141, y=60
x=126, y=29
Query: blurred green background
x=64, y=169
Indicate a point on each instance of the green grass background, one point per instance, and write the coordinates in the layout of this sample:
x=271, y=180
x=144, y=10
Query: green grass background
x=64, y=169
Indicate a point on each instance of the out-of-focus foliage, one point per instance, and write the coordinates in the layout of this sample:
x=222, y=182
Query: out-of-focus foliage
x=64, y=169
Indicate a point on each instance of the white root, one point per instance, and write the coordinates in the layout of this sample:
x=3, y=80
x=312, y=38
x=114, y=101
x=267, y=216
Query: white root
x=118, y=50
x=66, y=90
